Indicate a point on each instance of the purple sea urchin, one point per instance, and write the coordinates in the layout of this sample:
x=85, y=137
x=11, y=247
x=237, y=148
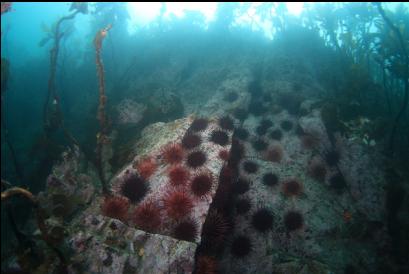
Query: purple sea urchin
x=215, y=228
x=134, y=188
x=259, y=145
x=338, y=183
x=199, y=124
x=191, y=140
x=186, y=230
x=219, y=137
x=286, y=125
x=250, y=167
x=262, y=220
x=276, y=135
x=241, y=134
x=240, y=114
x=241, y=186
x=241, y=246
x=231, y=97
x=270, y=179
x=332, y=157
x=293, y=220
x=242, y=206
x=201, y=184
x=196, y=159
x=226, y=123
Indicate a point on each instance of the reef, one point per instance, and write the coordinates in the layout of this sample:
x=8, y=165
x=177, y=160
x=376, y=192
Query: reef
x=235, y=166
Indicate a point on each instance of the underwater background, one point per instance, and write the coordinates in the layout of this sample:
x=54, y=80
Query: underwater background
x=204, y=137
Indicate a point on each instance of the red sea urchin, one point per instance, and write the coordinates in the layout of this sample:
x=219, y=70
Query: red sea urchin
x=309, y=141
x=115, y=207
x=206, y=265
x=177, y=204
x=173, y=153
x=293, y=220
x=292, y=187
x=146, y=167
x=147, y=217
x=201, y=184
x=317, y=170
x=274, y=153
x=178, y=175
x=134, y=187
x=224, y=155
x=187, y=230
x=196, y=159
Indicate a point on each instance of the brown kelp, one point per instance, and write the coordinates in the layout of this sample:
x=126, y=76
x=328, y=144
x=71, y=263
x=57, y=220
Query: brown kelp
x=405, y=74
x=52, y=115
x=102, y=136
x=39, y=216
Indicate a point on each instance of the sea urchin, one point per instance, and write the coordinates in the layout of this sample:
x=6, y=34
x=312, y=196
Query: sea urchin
x=250, y=167
x=292, y=187
x=262, y=220
x=317, y=170
x=173, y=153
x=147, y=217
x=199, y=124
x=270, y=179
x=196, y=159
x=191, y=140
x=219, y=137
x=134, y=188
x=115, y=207
x=202, y=184
x=274, y=153
x=293, y=220
x=226, y=123
x=186, y=230
x=177, y=204
x=146, y=167
x=241, y=246
x=178, y=175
